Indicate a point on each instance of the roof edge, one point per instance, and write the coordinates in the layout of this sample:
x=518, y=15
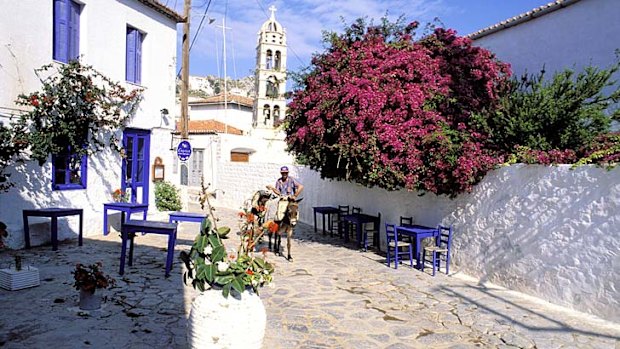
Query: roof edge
x=166, y=11
x=522, y=18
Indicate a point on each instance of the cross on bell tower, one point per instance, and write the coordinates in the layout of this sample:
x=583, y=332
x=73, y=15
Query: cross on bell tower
x=270, y=103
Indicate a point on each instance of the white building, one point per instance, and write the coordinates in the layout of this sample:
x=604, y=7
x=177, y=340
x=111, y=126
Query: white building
x=131, y=41
x=270, y=103
x=562, y=34
x=232, y=128
x=231, y=109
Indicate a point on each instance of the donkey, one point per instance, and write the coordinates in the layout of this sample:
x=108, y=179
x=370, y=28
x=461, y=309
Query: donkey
x=290, y=207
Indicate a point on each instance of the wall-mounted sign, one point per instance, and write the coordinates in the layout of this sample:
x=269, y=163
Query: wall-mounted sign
x=184, y=150
x=158, y=170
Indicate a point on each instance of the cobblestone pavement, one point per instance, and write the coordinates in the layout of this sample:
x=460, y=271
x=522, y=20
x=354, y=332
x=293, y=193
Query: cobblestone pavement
x=330, y=296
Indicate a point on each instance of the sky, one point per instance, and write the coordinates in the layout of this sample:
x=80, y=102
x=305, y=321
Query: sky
x=305, y=20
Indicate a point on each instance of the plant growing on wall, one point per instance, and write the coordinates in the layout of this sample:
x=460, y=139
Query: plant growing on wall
x=568, y=111
x=382, y=109
x=77, y=109
x=167, y=197
x=12, y=146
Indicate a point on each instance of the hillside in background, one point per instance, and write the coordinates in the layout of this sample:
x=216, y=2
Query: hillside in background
x=204, y=86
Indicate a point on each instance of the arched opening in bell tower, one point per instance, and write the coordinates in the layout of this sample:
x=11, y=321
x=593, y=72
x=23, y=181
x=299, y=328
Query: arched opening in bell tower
x=269, y=60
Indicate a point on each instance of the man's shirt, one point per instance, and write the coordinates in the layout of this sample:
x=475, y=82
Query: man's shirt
x=288, y=187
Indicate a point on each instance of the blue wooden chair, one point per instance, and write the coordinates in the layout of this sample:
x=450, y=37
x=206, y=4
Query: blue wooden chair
x=374, y=229
x=342, y=211
x=395, y=245
x=441, y=249
x=353, y=226
x=406, y=221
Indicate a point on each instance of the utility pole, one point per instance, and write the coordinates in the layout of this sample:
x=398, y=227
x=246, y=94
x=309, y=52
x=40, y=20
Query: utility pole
x=185, y=72
x=225, y=77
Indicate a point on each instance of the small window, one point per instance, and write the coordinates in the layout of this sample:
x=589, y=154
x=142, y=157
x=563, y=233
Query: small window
x=278, y=59
x=266, y=113
x=69, y=171
x=133, y=68
x=66, y=34
x=276, y=112
x=239, y=157
x=269, y=60
x=272, y=87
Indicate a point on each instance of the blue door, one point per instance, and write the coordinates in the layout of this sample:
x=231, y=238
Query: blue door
x=135, y=174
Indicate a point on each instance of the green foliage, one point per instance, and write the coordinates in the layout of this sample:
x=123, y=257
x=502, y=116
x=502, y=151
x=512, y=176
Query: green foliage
x=167, y=197
x=603, y=151
x=78, y=108
x=566, y=112
x=12, y=146
x=210, y=265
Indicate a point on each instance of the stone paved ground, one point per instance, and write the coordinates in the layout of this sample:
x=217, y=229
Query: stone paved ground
x=331, y=296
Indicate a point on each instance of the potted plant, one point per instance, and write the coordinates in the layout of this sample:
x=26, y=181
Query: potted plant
x=87, y=279
x=18, y=277
x=229, y=282
x=120, y=196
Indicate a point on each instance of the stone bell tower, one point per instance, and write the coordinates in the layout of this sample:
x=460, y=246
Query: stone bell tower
x=270, y=103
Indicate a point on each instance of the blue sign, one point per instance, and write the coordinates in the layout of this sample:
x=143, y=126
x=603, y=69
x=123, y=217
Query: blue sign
x=184, y=150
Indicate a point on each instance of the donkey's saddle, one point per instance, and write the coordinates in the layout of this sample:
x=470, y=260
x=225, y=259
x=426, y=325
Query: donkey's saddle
x=276, y=209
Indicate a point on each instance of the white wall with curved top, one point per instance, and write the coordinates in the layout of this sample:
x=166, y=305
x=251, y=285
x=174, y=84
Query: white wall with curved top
x=584, y=33
x=548, y=231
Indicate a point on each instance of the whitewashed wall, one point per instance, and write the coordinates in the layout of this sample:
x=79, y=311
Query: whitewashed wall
x=26, y=44
x=575, y=36
x=550, y=232
x=235, y=115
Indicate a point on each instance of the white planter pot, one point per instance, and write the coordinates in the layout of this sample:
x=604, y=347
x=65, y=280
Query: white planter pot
x=235, y=322
x=12, y=279
x=90, y=300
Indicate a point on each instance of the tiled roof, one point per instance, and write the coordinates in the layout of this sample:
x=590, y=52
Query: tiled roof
x=209, y=126
x=219, y=99
x=166, y=11
x=524, y=17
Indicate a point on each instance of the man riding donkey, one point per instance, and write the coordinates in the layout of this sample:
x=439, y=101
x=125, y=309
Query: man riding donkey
x=283, y=211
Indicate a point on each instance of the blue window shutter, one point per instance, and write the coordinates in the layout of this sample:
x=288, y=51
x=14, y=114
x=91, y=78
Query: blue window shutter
x=138, y=57
x=130, y=64
x=74, y=31
x=61, y=30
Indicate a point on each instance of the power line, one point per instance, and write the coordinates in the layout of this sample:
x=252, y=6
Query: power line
x=204, y=15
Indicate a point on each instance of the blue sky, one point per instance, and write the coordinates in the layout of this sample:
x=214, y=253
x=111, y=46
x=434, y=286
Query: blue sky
x=305, y=20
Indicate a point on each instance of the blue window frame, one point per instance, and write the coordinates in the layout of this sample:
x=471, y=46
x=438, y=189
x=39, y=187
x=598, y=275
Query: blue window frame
x=133, y=61
x=69, y=171
x=66, y=30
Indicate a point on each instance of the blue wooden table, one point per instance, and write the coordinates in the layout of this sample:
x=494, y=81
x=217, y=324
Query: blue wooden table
x=359, y=219
x=325, y=210
x=125, y=208
x=179, y=216
x=52, y=213
x=418, y=232
x=131, y=227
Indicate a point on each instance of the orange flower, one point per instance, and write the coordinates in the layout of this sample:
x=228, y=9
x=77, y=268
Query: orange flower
x=250, y=217
x=273, y=227
x=249, y=272
x=241, y=214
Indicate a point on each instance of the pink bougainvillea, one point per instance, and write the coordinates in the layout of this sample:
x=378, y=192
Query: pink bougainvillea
x=382, y=109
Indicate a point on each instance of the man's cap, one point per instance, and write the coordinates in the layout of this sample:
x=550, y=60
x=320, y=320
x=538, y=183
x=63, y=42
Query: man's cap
x=283, y=169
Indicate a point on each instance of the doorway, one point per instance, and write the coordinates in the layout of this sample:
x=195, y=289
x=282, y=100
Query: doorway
x=135, y=174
